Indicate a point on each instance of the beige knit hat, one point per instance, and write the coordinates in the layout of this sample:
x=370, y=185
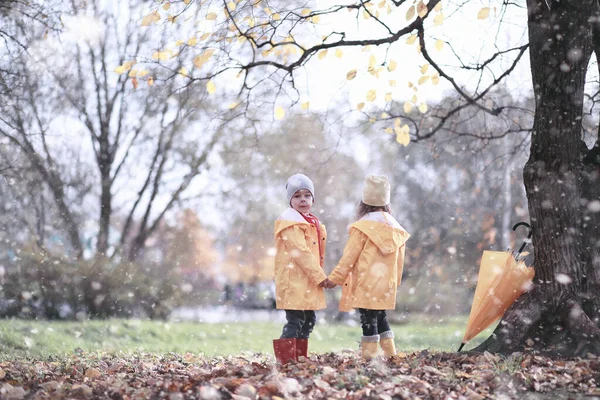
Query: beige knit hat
x=376, y=191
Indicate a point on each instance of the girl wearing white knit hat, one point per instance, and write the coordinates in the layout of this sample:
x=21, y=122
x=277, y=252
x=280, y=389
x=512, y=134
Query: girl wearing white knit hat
x=370, y=269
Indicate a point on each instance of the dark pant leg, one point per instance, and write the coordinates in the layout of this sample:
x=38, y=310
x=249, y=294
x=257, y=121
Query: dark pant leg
x=310, y=319
x=294, y=324
x=382, y=322
x=368, y=321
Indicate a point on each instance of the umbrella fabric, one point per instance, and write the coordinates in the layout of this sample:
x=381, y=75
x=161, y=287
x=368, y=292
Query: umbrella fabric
x=501, y=281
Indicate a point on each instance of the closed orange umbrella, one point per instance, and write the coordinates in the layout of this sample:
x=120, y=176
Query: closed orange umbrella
x=502, y=279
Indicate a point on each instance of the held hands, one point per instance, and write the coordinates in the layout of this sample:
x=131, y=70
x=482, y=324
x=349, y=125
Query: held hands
x=327, y=284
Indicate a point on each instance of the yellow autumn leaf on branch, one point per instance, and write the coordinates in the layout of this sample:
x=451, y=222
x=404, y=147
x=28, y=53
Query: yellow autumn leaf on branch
x=403, y=139
x=439, y=45
x=397, y=122
x=200, y=60
x=231, y=5
x=411, y=39
x=389, y=130
x=276, y=17
x=339, y=53
x=322, y=54
x=211, y=87
x=151, y=18
x=388, y=97
x=143, y=73
x=410, y=13
x=279, y=112
x=392, y=65
x=360, y=106
x=438, y=6
x=305, y=12
x=133, y=73
x=372, y=62
x=421, y=9
x=423, y=108
x=484, y=13
x=438, y=19
x=186, y=2
x=371, y=95
x=424, y=68
x=305, y=105
x=211, y=16
x=150, y=81
x=183, y=71
x=408, y=107
x=192, y=41
x=393, y=83
x=423, y=79
x=172, y=18
x=166, y=6
x=120, y=70
x=435, y=79
x=351, y=75
x=161, y=55
x=233, y=105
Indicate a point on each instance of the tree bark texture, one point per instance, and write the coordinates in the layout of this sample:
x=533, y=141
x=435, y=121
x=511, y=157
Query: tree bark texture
x=554, y=317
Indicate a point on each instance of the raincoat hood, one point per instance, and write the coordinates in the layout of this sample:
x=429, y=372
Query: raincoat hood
x=376, y=226
x=289, y=217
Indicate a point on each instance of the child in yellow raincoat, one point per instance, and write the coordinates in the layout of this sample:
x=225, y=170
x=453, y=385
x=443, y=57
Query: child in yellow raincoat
x=370, y=269
x=299, y=276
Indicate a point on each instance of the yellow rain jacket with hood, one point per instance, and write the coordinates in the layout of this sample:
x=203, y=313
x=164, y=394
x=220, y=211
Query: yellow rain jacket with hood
x=299, y=263
x=370, y=269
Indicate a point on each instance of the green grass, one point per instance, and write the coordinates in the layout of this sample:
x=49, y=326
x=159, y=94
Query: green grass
x=42, y=339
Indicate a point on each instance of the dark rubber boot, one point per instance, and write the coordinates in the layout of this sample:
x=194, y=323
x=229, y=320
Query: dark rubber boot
x=285, y=350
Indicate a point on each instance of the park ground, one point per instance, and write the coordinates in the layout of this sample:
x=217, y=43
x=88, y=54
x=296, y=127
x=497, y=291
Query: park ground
x=133, y=359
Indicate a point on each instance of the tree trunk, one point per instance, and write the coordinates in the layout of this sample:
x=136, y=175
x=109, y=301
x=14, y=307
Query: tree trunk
x=105, y=211
x=551, y=318
x=105, y=162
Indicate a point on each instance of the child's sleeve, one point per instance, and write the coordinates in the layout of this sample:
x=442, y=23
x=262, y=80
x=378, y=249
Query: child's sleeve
x=295, y=243
x=401, y=252
x=355, y=245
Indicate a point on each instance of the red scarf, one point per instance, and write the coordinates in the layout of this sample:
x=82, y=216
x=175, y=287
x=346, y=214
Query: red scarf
x=311, y=219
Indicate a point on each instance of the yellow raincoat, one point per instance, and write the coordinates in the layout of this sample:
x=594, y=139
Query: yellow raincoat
x=298, y=263
x=371, y=267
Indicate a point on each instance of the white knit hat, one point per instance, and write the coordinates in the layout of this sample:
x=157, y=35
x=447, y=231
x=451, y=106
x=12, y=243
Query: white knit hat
x=376, y=191
x=298, y=182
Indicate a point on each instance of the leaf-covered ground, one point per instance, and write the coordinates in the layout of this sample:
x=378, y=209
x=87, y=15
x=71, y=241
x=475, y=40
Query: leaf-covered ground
x=331, y=375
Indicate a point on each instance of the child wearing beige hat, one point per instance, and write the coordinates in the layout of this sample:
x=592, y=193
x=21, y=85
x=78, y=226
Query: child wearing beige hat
x=370, y=269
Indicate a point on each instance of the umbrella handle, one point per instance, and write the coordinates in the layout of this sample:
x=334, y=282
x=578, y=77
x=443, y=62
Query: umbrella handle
x=514, y=228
